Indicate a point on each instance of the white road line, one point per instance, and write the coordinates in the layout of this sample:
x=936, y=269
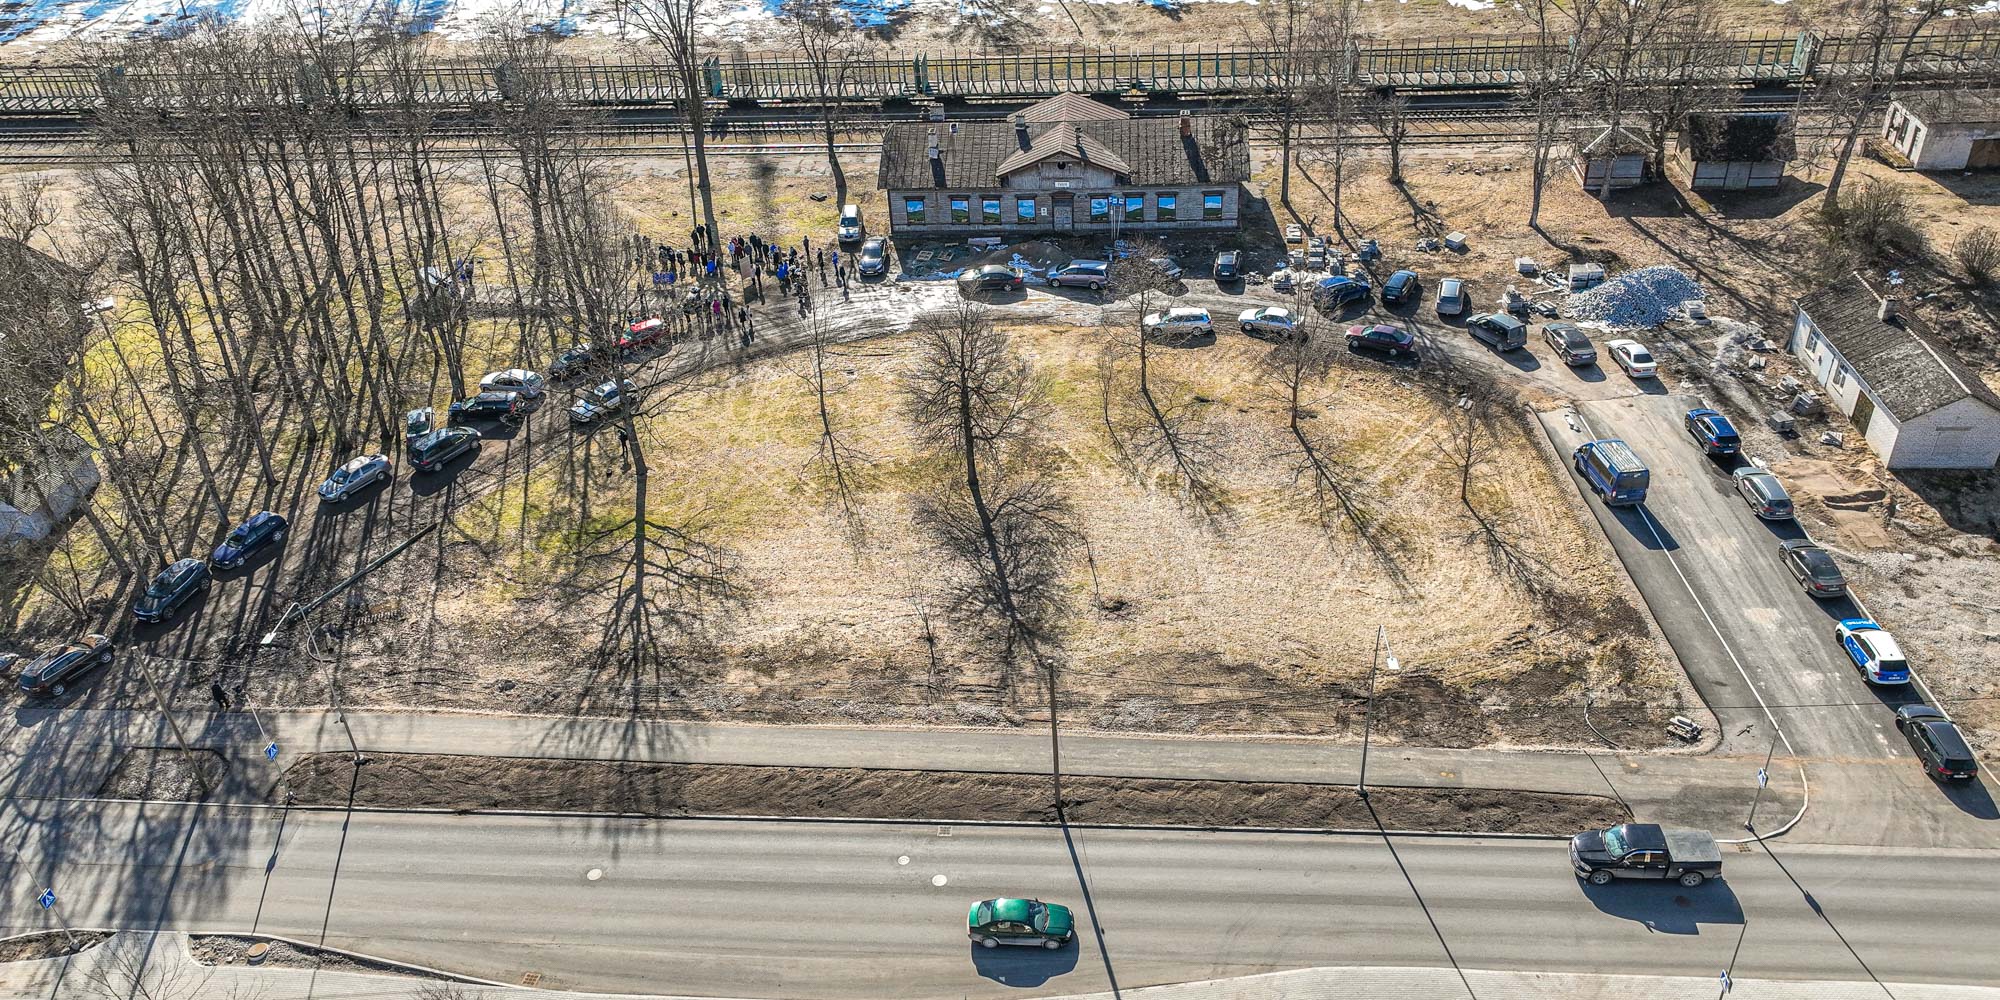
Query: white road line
x=1660, y=543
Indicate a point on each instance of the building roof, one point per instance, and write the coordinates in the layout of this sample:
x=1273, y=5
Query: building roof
x=1953, y=107
x=1071, y=108
x=1732, y=136
x=1142, y=151
x=1908, y=372
x=1599, y=140
x=1065, y=139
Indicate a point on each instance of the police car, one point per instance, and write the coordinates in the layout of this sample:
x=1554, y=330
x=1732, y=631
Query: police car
x=1873, y=650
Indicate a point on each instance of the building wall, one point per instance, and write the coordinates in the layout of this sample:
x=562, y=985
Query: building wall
x=1963, y=435
x=1841, y=386
x=1933, y=147
x=939, y=218
x=1628, y=170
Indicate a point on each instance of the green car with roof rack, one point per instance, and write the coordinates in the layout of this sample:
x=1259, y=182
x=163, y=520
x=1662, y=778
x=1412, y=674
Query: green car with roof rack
x=1029, y=922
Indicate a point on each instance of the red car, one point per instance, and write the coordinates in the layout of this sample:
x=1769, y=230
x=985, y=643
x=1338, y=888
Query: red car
x=1393, y=341
x=643, y=333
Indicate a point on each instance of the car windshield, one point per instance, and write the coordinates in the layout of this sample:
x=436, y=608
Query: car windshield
x=240, y=535
x=1613, y=842
x=163, y=586
x=342, y=474
x=1038, y=916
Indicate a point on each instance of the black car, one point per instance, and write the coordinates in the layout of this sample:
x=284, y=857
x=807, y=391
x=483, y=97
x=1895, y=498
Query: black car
x=1400, y=288
x=261, y=529
x=1937, y=742
x=571, y=363
x=502, y=406
x=991, y=278
x=1570, y=343
x=1383, y=338
x=54, y=671
x=430, y=452
x=874, y=258
x=1229, y=265
x=1813, y=567
x=181, y=580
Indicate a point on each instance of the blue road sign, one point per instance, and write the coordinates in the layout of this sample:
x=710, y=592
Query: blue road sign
x=47, y=898
x=271, y=752
x=1763, y=777
x=1725, y=980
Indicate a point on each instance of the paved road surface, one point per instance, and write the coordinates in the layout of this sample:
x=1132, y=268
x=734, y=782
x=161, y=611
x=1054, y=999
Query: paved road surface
x=833, y=909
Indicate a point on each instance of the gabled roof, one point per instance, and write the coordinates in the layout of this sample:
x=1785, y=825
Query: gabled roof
x=1065, y=139
x=1599, y=140
x=1730, y=136
x=1909, y=373
x=1071, y=108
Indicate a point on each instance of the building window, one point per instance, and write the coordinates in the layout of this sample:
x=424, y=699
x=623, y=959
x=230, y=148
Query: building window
x=961, y=209
x=1024, y=209
x=1211, y=204
x=913, y=210
x=1135, y=207
x=1164, y=207
x=1100, y=208
x=1840, y=377
x=989, y=211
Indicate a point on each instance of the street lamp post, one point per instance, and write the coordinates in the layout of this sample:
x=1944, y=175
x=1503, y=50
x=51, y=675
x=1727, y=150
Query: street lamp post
x=1763, y=778
x=1368, y=713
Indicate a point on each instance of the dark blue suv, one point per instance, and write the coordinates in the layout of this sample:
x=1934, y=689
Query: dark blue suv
x=1339, y=290
x=263, y=528
x=171, y=589
x=1713, y=432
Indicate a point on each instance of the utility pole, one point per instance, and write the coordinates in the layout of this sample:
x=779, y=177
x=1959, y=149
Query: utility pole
x=180, y=738
x=1368, y=713
x=1763, y=778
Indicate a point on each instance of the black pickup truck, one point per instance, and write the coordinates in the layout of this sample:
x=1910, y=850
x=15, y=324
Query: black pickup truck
x=1645, y=850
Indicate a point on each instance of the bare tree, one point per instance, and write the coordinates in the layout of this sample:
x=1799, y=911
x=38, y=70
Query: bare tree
x=1000, y=517
x=836, y=462
x=28, y=207
x=1156, y=425
x=676, y=27
x=829, y=43
x=1286, y=31
x=1549, y=76
x=1887, y=31
x=1388, y=113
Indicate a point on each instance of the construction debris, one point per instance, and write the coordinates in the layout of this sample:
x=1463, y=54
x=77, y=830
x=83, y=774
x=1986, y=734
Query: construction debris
x=1648, y=296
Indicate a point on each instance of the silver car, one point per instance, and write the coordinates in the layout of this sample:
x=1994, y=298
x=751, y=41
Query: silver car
x=353, y=477
x=519, y=380
x=1764, y=493
x=1451, y=297
x=602, y=402
x=1269, y=321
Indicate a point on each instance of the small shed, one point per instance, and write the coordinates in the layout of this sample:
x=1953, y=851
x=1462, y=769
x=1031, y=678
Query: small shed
x=1622, y=151
x=1946, y=131
x=1732, y=151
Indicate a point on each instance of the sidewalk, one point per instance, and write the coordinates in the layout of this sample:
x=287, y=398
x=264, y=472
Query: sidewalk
x=171, y=973
x=1714, y=792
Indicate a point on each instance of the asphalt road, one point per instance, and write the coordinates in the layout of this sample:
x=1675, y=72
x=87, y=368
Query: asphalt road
x=868, y=910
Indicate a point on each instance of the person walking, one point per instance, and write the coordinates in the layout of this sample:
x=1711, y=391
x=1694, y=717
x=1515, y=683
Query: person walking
x=218, y=695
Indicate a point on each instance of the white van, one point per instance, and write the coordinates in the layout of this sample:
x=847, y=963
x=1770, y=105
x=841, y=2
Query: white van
x=850, y=224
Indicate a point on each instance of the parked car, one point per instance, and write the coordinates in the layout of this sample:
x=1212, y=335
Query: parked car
x=54, y=671
x=1451, y=297
x=1633, y=357
x=1168, y=267
x=1030, y=922
x=1184, y=321
x=604, y=401
x=258, y=530
x=1382, y=338
x=1645, y=850
x=874, y=259
x=419, y=422
x=1613, y=471
x=1570, y=343
x=349, y=479
x=571, y=363
x=521, y=380
x=1269, y=321
x=1936, y=740
x=642, y=333
x=1400, y=288
x=1339, y=290
x=1091, y=274
x=1713, y=431
x=850, y=229
x=1877, y=653
x=430, y=452
x=1228, y=266
x=506, y=407
x=1813, y=567
x=171, y=588
x=990, y=278
x=1504, y=332
x=1764, y=493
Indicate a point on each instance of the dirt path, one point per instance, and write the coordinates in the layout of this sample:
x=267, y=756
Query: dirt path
x=422, y=781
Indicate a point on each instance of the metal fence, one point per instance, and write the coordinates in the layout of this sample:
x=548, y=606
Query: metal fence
x=1476, y=62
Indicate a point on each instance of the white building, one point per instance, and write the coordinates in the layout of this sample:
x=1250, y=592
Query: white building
x=1912, y=399
x=1945, y=131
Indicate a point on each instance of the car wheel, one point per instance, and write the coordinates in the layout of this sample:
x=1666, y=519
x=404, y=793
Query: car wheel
x=1691, y=879
x=278, y=536
x=987, y=942
x=1052, y=945
x=1096, y=286
x=56, y=690
x=1600, y=877
x=104, y=657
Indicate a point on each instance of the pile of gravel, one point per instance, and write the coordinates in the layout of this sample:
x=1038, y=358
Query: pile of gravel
x=1648, y=296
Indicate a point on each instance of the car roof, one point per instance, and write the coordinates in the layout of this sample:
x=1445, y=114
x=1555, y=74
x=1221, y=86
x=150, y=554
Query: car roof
x=1919, y=712
x=1016, y=910
x=1385, y=328
x=1884, y=644
x=516, y=373
x=1404, y=273
x=1621, y=342
x=1187, y=311
x=1450, y=285
x=360, y=462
